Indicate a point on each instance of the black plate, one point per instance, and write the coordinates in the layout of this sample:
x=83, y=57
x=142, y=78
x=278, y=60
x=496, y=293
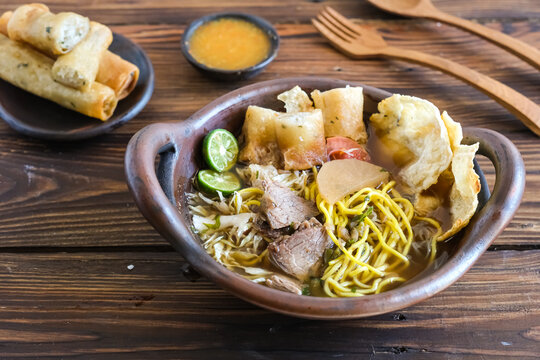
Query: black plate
x=41, y=118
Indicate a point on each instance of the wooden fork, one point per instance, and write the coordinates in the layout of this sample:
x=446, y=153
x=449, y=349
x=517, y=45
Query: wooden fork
x=360, y=42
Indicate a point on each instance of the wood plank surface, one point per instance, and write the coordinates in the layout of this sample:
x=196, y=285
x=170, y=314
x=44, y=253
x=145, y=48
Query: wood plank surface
x=69, y=228
x=83, y=305
x=277, y=11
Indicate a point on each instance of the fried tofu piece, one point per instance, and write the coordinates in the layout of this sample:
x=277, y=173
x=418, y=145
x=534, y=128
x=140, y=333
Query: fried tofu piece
x=259, y=134
x=300, y=137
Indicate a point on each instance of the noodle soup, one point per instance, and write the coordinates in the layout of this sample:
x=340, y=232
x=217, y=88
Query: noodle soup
x=349, y=221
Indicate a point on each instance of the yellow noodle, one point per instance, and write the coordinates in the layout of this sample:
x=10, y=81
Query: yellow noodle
x=374, y=247
x=435, y=239
x=252, y=202
x=364, y=266
x=250, y=191
x=385, y=282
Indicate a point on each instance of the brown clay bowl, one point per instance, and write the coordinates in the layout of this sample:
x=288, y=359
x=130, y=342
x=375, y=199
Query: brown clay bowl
x=160, y=196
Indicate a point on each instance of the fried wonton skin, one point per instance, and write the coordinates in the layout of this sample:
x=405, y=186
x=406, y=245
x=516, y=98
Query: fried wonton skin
x=455, y=133
x=300, y=138
x=464, y=193
x=259, y=135
x=342, y=110
x=458, y=186
x=414, y=125
x=296, y=100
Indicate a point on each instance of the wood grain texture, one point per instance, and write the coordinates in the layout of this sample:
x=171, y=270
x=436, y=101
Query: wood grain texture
x=277, y=11
x=367, y=43
x=83, y=305
x=426, y=9
x=69, y=228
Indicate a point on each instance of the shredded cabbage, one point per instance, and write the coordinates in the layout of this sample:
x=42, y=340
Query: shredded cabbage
x=226, y=225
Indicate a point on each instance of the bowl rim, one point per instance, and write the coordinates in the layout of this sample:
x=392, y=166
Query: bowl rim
x=261, y=23
x=168, y=220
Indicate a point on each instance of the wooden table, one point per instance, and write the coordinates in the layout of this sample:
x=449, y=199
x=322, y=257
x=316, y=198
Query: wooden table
x=83, y=275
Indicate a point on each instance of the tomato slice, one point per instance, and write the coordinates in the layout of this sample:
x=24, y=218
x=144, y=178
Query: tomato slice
x=340, y=142
x=339, y=147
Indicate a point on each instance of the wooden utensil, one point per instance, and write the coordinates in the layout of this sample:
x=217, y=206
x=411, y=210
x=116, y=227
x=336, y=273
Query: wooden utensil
x=361, y=42
x=425, y=9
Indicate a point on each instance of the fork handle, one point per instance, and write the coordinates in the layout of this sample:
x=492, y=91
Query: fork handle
x=522, y=50
x=520, y=106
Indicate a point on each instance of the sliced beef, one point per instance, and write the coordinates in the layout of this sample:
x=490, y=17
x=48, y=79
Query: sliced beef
x=265, y=230
x=283, y=207
x=300, y=254
x=284, y=283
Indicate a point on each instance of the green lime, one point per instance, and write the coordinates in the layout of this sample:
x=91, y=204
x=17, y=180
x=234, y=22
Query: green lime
x=220, y=150
x=211, y=181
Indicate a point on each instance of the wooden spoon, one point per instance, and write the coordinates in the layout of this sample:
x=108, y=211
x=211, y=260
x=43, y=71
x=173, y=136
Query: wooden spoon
x=426, y=9
x=360, y=42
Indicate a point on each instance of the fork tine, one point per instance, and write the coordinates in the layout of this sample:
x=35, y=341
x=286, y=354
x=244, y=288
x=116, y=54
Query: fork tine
x=341, y=27
x=352, y=27
x=333, y=38
x=330, y=26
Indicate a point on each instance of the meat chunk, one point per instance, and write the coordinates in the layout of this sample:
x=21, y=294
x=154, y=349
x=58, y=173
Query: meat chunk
x=284, y=283
x=265, y=230
x=283, y=207
x=300, y=254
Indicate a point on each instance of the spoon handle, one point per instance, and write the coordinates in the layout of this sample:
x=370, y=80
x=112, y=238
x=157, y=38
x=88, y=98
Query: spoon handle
x=519, y=105
x=522, y=50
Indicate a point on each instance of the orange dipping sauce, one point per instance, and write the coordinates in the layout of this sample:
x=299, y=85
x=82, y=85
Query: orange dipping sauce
x=229, y=44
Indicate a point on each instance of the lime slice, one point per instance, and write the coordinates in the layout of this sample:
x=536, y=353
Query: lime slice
x=220, y=150
x=211, y=181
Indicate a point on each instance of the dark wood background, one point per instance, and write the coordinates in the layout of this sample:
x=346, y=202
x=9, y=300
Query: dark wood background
x=69, y=229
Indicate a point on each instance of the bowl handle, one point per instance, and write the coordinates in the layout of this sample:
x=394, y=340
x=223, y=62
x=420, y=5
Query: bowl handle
x=155, y=202
x=509, y=184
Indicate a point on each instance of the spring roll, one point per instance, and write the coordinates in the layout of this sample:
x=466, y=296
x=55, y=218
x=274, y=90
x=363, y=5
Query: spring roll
x=30, y=70
x=78, y=68
x=114, y=72
x=53, y=34
x=4, y=21
x=118, y=74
